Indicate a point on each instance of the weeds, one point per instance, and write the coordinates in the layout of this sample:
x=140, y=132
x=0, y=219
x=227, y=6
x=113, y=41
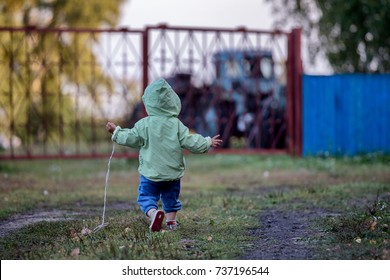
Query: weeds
x=364, y=231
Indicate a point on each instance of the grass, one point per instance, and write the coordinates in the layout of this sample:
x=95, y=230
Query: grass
x=222, y=196
x=362, y=233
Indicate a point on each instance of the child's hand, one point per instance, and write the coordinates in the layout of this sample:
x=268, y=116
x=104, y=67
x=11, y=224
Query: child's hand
x=215, y=141
x=110, y=127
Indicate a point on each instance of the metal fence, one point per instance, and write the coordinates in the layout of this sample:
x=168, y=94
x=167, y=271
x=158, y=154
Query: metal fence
x=59, y=86
x=346, y=114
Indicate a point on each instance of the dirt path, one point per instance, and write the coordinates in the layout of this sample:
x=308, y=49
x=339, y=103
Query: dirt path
x=284, y=235
x=19, y=221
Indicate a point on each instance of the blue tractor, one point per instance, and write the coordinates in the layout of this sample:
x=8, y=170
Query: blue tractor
x=253, y=100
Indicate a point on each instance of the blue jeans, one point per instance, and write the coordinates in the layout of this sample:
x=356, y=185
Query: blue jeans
x=150, y=192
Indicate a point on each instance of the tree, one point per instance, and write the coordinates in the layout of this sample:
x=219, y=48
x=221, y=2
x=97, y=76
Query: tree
x=59, y=13
x=354, y=34
x=40, y=68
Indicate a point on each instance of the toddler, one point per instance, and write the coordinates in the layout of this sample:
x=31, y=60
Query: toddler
x=160, y=138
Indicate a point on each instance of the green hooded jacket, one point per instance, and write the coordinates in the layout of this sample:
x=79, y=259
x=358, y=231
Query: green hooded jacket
x=161, y=136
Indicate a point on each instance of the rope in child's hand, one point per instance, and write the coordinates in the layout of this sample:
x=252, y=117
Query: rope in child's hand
x=103, y=224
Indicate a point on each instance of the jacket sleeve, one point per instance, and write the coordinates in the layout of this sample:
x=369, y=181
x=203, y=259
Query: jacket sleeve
x=193, y=142
x=127, y=137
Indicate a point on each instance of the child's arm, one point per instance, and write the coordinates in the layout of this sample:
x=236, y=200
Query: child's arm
x=196, y=143
x=124, y=136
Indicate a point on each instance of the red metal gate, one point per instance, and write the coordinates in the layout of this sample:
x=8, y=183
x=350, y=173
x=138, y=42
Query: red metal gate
x=60, y=86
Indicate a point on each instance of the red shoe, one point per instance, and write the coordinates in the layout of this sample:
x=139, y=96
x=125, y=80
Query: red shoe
x=157, y=220
x=172, y=225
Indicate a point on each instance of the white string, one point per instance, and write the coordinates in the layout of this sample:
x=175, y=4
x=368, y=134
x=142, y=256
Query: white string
x=105, y=192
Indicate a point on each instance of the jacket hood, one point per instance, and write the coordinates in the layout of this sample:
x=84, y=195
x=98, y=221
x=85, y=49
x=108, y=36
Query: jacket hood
x=161, y=100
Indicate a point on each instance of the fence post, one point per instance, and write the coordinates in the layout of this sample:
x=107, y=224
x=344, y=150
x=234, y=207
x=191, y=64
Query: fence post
x=145, y=63
x=11, y=66
x=145, y=57
x=294, y=93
